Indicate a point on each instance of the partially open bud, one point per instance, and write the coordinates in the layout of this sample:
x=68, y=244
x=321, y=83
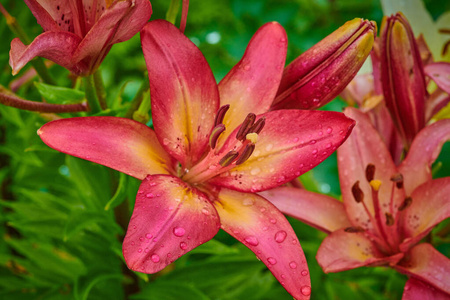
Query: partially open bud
x=321, y=73
x=402, y=77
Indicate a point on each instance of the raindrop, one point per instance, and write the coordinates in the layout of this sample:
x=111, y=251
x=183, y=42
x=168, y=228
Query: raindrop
x=304, y=273
x=273, y=221
x=146, y=250
x=205, y=212
x=269, y=147
x=306, y=290
x=155, y=258
x=329, y=130
x=280, y=236
x=314, y=151
x=248, y=202
x=140, y=250
x=281, y=179
x=272, y=260
x=179, y=231
x=293, y=265
x=313, y=142
x=150, y=195
x=183, y=245
x=252, y=240
x=255, y=171
x=166, y=142
x=132, y=243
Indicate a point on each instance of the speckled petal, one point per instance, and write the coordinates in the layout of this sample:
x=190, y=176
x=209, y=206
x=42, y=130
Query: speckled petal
x=317, y=210
x=169, y=219
x=184, y=93
x=122, y=144
x=256, y=223
x=291, y=143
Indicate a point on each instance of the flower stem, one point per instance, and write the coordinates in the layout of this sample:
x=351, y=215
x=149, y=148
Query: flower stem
x=10, y=99
x=137, y=100
x=172, y=12
x=38, y=63
x=91, y=94
x=100, y=89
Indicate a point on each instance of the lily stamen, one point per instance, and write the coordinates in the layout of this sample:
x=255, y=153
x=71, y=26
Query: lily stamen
x=246, y=126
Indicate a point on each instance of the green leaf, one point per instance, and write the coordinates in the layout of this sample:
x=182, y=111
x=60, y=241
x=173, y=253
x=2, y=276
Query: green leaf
x=169, y=290
x=59, y=95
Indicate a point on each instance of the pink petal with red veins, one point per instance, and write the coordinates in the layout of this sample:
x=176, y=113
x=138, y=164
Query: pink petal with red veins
x=169, y=219
x=364, y=147
x=55, y=46
x=122, y=144
x=48, y=13
x=440, y=73
x=251, y=85
x=322, y=212
x=341, y=251
x=419, y=290
x=424, y=150
x=138, y=15
x=261, y=227
x=291, y=143
x=184, y=93
x=430, y=205
x=429, y=265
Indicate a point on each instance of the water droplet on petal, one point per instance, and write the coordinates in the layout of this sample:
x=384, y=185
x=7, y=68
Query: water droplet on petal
x=252, y=240
x=150, y=195
x=155, y=258
x=179, y=231
x=183, y=245
x=255, y=171
x=149, y=235
x=273, y=221
x=293, y=265
x=272, y=260
x=205, y=212
x=248, y=202
x=140, y=250
x=329, y=130
x=304, y=273
x=280, y=236
x=306, y=290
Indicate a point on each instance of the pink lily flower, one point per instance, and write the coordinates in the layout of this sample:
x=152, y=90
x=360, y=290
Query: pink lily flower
x=79, y=33
x=213, y=147
x=317, y=76
x=386, y=210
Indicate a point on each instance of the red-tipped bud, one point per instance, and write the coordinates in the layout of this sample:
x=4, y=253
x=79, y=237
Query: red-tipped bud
x=402, y=77
x=321, y=73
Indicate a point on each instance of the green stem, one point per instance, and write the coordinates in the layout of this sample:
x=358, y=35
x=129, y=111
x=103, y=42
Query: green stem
x=172, y=12
x=137, y=100
x=100, y=89
x=10, y=99
x=91, y=95
x=37, y=63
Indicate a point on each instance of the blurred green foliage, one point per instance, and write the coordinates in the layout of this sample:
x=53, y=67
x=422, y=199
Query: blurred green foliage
x=62, y=219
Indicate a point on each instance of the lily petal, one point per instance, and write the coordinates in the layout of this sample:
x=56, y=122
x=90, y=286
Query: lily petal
x=341, y=251
x=291, y=143
x=261, y=227
x=251, y=85
x=122, y=144
x=364, y=147
x=169, y=219
x=402, y=77
x=418, y=290
x=183, y=89
x=440, y=73
x=320, y=211
x=47, y=13
x=430, y=205
x=118, y=23
x=55, y=46
x=429, y=265
x=322, y=72
x=423, y=152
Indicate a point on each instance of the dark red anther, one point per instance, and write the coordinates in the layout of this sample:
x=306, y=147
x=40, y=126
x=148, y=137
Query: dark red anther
x=228, y=158
x=398, y=179
x=221, y=114
x=370, y=172
x=245, y=127
x=406, y=203
x=389, y=219
x=248, y=150
x=354, y=229
x=258, y=126
x=216, y=132
x=358, y=194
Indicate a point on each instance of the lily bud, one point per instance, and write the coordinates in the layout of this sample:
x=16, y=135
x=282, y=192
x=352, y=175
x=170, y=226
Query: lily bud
x=317, y=76
x=402, y=77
